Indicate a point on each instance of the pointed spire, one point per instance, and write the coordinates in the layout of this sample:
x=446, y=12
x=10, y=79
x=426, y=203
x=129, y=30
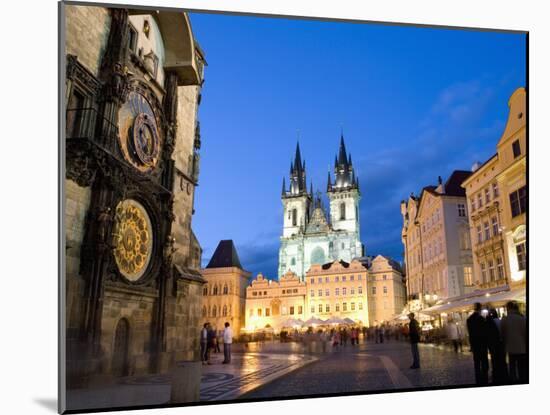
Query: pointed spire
x=284, y=187
x=291, y=168
x=329, y=183
x=342, y=156
x=298, y=157
x=349, y=159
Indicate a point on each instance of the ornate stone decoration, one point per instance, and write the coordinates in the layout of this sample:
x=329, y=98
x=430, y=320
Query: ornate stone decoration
x=132, y=239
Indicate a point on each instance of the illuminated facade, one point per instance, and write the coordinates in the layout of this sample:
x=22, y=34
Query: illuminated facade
x=224, y=294
x=437, y=243
x=310, y=236
x=497, y=194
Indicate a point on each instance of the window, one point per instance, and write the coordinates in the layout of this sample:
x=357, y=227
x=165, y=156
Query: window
x=522, y=258
x=483, y=272
x=214, y=311
x=337, y=291
x=359, y=277
x=500, y=268
x=352, y=278
x=360, y=290
x=313, y=281
x=495, y=190
x=385, y=289
x=345, y=307
x=205, y=291
x=312, y=293
x=352, y=306
x=472, y=204
x=518, y=201
x=293, y=261
x=336, y=279
x=491, y=264
x=487, y=195
x=352, y=291
x=384, y=277
x=320, y=308
x=516, y=149
x=343, y=245
x=294, y=217
x=327, y=292
x=225, y=289
x=312, y=309
x=327, y=308
x=342, y=211
x=132, y=38
x=292, y=310
x=204, y=311
x=320, y=281
x=479, y=234
x=300, y=309
x=146, y=28
x=215, y=290
x=360, y=306
x=259, y=312
x=487, y=230
x=320, y=293
x=267, y=312
x=295, y=290
x=224, y=311
x=373, y=290
x=461, y=210
x=284, y=291
x=468, y=276
x=344, y=278
x=494, y=225
x=337, y=307
x=479, y=200
x=265, y=292
x=344, y=291
x=327, y=279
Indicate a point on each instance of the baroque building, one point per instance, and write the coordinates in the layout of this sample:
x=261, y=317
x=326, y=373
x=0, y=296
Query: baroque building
x=310, y=236
x=436, y=239
x=132, y=283
x=224, y=294
x=497, y=194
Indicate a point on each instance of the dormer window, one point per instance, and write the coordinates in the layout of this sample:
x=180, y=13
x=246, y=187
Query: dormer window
x=132, y=39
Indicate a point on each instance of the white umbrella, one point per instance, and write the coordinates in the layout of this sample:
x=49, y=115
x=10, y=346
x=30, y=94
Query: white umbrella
x=292, y=322
x=335, y=320
x=314, y=320
x=348, y=320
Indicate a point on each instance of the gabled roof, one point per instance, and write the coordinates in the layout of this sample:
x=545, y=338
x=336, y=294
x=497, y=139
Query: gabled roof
x=453, y=184
x=225, y=256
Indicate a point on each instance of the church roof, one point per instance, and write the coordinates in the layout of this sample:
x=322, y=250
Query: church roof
x=225, y=256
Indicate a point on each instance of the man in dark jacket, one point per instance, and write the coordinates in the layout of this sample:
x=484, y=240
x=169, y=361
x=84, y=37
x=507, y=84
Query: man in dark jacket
x=514, y=334
x=478, y=333
x=414, y=337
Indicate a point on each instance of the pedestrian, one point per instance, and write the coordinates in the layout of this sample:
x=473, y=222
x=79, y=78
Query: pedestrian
x=211, y=336
x=454, y=335
x=204, y=344
x=477, y=332
x=217, y=340
x=496, y=349
x=414, y=338
x=377, y=334
x=227, y=341
x=514, y=335
x=382, y=332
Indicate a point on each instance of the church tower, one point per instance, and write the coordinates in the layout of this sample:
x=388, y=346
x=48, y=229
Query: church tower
x=344, y=196
x=296, y=200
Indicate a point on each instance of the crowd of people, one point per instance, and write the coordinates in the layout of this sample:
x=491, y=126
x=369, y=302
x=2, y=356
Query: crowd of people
x=210, y=340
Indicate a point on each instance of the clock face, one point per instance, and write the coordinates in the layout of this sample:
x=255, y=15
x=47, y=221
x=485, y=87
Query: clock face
x=138, y=132
x=132, y=239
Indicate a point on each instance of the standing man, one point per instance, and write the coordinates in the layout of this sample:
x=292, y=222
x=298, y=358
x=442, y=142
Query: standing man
x=514, y=335
x=414, y=337
x=227, y=341
x=204, y=344
x=478, y=333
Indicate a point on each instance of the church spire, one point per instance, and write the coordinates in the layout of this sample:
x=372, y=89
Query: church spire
x=343, y=169
x=329, y=183
x=284, y=187
x=298, y=183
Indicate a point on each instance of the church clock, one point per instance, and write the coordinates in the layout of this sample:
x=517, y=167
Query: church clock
x=132, y=239
x=139, y=133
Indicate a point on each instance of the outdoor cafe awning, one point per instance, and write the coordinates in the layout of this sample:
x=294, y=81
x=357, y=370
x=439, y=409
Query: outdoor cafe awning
x=466, y=303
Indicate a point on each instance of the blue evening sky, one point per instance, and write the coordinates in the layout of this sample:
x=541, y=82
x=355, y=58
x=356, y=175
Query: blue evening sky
x=414, y=104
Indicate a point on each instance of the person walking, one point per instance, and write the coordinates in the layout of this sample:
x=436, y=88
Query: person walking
x=227, y=341
x=477, y=331
x=414, y=338
x=204, y=344
x=499, y=372
x=514, y=335
x=210, y=339
x=382, y=333
x=454, y=335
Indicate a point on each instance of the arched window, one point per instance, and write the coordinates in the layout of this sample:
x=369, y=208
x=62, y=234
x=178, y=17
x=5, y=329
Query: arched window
x=224, y=312
x=342, y=211
x=293, y=261
x=214, y=311
x=294, y=217
x=215, y=290
x=225, y=289
x=204, y=311
x=205, y=290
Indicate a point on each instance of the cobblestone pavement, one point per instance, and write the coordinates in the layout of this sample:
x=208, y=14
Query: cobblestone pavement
x=278, y=369
x=372, y=367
